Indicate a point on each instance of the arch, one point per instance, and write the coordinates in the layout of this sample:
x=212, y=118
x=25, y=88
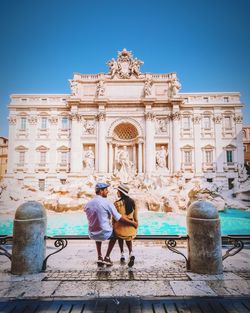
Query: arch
x=125, y=121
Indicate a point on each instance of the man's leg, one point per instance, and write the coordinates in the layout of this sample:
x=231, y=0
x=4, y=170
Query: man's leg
x=111, y=244
x=99, y=253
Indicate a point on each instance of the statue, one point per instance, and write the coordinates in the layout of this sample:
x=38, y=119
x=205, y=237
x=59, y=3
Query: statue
x=100, y=89
x=74, y=87
x=126, y=166
x=161, y=126
x=89, y=159
x=135, y=67
x=161, y=158
x=89, y=127
x=147, y=88
x=113, y=66
x=175, y=85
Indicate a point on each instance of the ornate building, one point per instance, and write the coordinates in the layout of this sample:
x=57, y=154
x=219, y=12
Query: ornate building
x=125, y=123
x=3, y=156
x=246, y=142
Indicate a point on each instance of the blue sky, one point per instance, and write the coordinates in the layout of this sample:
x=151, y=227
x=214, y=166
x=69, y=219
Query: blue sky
x=44, y=42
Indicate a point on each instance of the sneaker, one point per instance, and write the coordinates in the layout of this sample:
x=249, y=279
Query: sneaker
x=107, y=261
x=131, y=261
x=122, y=259
x=100, y=261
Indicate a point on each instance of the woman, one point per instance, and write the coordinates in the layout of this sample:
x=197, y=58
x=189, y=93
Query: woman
x=126, y=207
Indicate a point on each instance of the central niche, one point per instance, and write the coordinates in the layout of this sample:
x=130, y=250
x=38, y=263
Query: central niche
x=125, y=131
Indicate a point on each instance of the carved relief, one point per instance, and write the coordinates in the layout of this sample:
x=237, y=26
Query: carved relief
x=53, y=119
x=176, y=116
x=161, y=125
x=75, y=116
x=89, y=127
x=125, y=66
x=32, y=120
x=217, y=119
x=101, y=116
x=147, y=90
x=149, y=116
x=196, y=119
x=12, y=120
x=238, y=119
x=100, y=89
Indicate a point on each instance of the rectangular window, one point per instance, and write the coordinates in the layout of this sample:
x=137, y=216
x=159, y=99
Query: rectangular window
x=186, y=122
x=209, y=180
x=187, y=157
x=208, y=156
x=226, y=99
x=205, y=99
x=21, y=157
x=44, y=123
x=64, y=157
x=23, y=123
x=63, y=181
x=207, y=122
x=65, y=123
x=43, y=157
x=229, y=156
x=41, y=184
x=228, y=123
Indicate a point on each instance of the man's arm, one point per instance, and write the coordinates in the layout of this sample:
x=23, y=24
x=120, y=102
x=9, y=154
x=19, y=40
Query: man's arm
x=127, y=221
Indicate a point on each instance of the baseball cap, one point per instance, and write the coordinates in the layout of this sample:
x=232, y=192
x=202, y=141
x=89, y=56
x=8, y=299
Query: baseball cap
x=101, y=185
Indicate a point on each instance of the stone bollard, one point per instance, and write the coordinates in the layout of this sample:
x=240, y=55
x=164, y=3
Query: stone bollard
x=29, y=243
x=204, y=238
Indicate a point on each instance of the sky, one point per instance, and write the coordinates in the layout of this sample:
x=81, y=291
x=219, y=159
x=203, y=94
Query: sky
x=43, y=42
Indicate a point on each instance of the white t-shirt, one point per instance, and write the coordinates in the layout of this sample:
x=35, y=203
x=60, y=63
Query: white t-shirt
x=99, y=212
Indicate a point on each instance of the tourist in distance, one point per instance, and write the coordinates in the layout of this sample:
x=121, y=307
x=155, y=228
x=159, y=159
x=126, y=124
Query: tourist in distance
x=126, y=207
x=100, y=212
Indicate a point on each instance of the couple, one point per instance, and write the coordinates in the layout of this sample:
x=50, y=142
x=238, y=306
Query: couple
x=112, y=221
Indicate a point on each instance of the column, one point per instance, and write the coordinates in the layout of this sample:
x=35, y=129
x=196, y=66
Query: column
x=54, y=159
x=140, y=157
x=239, y=141
x=110, y=157
x=219, y=152
x=32, y=153
x=176, y=158
x=149, y=144
x=102, y=147
x=197, y=145
x=134, y=155
x=76, y=148
x=11, y=144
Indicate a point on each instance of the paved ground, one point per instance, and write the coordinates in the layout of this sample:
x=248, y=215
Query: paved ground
x=158, y=283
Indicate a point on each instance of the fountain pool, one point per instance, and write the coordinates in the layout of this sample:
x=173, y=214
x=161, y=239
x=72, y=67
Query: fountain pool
x=151, y=223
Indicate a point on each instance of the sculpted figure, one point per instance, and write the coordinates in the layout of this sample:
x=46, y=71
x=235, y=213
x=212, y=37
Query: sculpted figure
x=113, y=67
x=124, y=163
x=161, y=157
x=135, y=67
x=74, y=87
x=89, y=159
x=89, y=127
x=147, y=88
x=175, y=85
x=100, y=89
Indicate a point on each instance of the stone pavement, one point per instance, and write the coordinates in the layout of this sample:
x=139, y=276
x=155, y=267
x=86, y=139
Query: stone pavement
x=73, y=273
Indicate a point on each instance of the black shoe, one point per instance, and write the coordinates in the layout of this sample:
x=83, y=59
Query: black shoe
x=107, y=261
x=131, y=261
x=100, y=261
x=122, y=259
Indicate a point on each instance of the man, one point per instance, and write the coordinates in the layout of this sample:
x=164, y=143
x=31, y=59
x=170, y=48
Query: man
x=99, y=212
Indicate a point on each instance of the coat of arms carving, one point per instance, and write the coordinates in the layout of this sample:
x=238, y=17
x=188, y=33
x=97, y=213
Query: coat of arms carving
x=125, y=66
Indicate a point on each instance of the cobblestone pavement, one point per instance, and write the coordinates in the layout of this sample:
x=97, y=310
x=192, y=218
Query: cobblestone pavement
x=157, y=272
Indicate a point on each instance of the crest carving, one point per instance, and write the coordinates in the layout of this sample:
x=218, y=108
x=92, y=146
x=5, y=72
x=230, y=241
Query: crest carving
x=125, y=66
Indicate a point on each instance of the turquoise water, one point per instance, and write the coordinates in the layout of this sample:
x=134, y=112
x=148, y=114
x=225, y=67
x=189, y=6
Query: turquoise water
x=151, y=223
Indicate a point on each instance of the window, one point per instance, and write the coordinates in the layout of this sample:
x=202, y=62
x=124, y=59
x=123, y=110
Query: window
x=207, y=122
x=41, y=184
x=209, y=180
x=208, y=156
x=187, y=157
x=205, y=99
x=245, y=148
x=21, y=157
x=186, y=122
x=63, y=181
x=228, y=123
x=23, y=123
x=44, y=123
x=43, y=157
x=65, y=123
x=226, y=99
x=64, y=157
x=244, y=134
x=230, y=183
x=229, y=156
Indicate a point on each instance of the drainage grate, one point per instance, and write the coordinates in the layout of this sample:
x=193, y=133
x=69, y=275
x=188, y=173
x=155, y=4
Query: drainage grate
x=114, y=275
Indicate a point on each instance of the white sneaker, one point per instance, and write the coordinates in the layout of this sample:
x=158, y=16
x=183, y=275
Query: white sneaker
x=122, y=259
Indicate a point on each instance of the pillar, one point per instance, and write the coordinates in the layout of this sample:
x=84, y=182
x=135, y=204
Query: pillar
x=176, y=142
x=11, y=144
x=197, y=145
x=149, y=144
x=102, y=147
x=76, y=148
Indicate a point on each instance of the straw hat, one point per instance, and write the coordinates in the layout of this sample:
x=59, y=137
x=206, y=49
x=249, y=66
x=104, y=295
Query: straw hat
x=123, y=189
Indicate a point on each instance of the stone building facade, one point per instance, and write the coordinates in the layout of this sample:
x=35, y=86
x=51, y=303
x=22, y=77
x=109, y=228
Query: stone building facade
x=3, y=156
x=124, y=123
x=246, y=143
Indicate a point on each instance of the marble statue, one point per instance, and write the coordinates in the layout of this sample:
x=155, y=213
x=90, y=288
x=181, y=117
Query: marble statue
x=161, y=158
x=125, y=165
x=175, y=85
x=100, y=89
x=89, y=158
x=89, y=127
x=147, y=88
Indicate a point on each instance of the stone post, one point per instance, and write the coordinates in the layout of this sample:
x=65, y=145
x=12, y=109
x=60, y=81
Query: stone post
x=204, y=238
x=29, y=245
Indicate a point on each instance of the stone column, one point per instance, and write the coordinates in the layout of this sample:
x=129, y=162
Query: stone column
x=76, y=148
x=219, y=153
x=53, y=144
x=102, y=146
x=11, y=144
x=239, y=142
x=176, y=158
x=110, y=157
x=31, y=158
x=149, y=144
x=140, y=157
x=197, y=144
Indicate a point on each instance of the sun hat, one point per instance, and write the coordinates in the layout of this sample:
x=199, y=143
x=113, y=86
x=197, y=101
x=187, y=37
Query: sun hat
x=101, y=186
x=123, y=189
